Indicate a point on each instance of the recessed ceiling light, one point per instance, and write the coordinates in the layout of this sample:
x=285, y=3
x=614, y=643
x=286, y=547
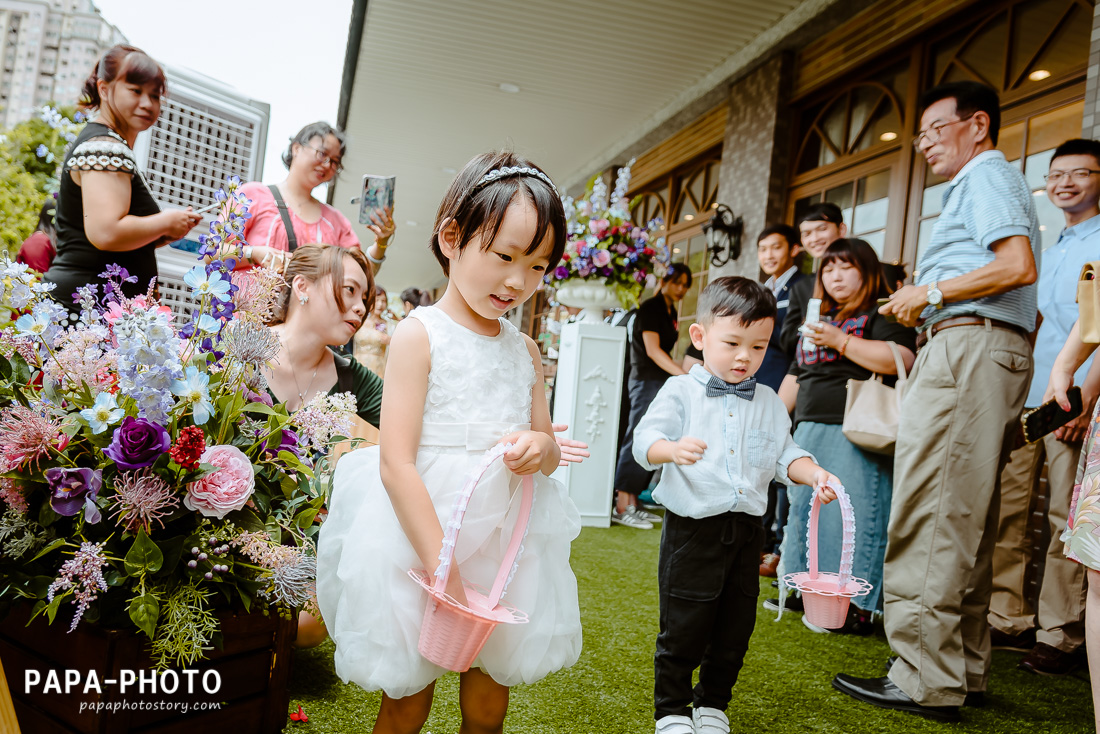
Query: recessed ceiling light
x=675, y=250
x=509, y=88
x=714, y=205
x=886, y=137
x=1038, y=192
x=1038, y=75
x=449, y=171
x=410, y=223
x=689, y=217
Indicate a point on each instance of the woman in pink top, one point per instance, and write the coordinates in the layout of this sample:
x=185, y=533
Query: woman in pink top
x=313, y=158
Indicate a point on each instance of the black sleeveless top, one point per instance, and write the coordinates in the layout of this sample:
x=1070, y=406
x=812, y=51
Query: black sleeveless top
x=78, y=261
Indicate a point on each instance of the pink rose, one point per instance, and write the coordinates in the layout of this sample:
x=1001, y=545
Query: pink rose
x=601, y=258
x=219, y=493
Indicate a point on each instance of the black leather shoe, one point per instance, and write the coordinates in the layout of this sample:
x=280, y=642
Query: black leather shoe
x=793, y=604
x=974, y=699
x=883, y=693
x=1047, y=660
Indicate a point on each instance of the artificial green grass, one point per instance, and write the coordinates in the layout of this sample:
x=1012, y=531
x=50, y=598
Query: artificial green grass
x=784, y=687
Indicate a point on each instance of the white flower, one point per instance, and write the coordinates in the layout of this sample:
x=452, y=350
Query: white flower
x=103, y=412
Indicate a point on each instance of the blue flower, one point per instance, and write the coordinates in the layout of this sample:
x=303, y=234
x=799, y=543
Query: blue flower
x=193, y=391
x=103, y=413
x=79, y=117
x=36, y=323
x=41, y=150
x=204, y=284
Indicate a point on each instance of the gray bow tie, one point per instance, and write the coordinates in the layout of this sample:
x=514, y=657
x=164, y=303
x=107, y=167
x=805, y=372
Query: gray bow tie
x=744, y=389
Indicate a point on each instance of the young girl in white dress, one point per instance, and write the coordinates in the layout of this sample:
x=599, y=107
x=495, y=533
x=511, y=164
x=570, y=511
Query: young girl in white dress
x=460, y=379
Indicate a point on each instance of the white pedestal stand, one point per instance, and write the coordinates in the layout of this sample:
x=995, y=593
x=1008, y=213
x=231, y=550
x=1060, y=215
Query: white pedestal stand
x=586, y=396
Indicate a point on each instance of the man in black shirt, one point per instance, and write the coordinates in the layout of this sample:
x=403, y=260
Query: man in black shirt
x=653, y=335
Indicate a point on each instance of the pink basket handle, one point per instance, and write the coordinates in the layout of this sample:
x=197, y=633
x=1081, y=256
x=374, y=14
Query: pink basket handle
x=848, y=520
x=450, y=536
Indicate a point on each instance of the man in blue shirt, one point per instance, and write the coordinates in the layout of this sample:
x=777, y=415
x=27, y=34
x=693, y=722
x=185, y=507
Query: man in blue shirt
x=1073, y=185
x=975, y=303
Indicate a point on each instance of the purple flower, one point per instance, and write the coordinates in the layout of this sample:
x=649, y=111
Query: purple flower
x=621, y=248
x=71, y=489
x=289, y=443
x=605, y=272
x=137, y=443
x=561, y=272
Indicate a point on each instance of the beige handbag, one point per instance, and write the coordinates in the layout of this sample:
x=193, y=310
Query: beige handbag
x=871, y=409
x=1088, y=303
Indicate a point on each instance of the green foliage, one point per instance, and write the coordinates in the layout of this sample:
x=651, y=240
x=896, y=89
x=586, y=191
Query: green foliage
x=186, y=627
x=20, y=200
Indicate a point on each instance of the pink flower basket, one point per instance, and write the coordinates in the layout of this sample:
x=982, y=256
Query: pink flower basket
x=826, y=595
x=453, y=634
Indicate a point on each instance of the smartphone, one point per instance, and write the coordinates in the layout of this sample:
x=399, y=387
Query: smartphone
x=377, y=194
x=889, y=317
x=813, y=315
x=1049, y=416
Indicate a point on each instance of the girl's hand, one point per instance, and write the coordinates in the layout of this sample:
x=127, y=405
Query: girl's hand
x=572, y=452
x=688, y=450
x=382, y=225
x=827, y=335
x=528, y=451
x=823, y=478
x=454, y=585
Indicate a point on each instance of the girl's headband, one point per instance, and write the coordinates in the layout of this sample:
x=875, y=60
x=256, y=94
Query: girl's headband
x=498, y=173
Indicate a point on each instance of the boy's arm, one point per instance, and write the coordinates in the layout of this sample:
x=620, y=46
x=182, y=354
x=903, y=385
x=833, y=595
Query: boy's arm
x=798, y=466
x=663, y=422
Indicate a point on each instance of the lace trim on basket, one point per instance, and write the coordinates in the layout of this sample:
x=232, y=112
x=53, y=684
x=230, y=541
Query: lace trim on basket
x=102, y=155
x=450, y=533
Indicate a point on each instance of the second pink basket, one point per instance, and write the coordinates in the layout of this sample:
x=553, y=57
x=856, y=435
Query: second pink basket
x=826, y=595
x=452, y=634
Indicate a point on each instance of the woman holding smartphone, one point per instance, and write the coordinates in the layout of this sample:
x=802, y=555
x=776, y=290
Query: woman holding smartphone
x=286, y=215
x=105, y=212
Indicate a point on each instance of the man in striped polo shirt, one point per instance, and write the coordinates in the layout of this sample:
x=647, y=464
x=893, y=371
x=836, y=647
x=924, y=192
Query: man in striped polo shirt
x=974, y=303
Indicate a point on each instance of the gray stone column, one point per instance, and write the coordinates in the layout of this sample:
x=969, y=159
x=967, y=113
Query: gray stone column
x=1090, y=123
x=755, y=155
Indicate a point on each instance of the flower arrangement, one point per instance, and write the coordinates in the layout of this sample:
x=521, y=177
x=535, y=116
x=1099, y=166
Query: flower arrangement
x=147, y=480
x=604, y=244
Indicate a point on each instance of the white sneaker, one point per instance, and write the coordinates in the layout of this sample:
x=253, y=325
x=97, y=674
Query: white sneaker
x=675, y=725
x=710, y=721
x=647, y=516
x=630, y=520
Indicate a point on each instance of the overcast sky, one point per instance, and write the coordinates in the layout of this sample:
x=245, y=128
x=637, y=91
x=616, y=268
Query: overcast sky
x=287, y=53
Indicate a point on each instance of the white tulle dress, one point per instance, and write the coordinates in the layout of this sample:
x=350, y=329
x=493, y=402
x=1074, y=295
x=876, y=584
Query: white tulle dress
x=479, y=390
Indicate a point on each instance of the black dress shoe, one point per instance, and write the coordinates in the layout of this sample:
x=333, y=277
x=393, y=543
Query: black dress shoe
x=793, y=604
x=1045, y=659
x=974, y=699
x=883, y=693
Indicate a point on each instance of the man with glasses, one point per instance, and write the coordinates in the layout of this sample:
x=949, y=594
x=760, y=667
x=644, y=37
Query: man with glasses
x=1055, y=631
x=974, y=303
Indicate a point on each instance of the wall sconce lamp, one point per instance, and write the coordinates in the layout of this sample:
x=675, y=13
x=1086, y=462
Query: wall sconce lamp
x=723, y=232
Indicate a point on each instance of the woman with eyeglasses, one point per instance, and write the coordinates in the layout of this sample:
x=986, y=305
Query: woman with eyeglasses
x=286, y=215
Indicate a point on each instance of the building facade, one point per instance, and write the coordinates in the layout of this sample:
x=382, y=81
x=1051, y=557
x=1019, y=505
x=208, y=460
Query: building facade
x=48, y=48
x=831, y=117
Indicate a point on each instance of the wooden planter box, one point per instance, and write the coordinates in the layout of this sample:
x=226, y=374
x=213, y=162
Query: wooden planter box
x=254, y=668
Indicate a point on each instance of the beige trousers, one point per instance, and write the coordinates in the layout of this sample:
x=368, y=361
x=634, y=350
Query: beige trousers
x=1061, y=613
x=964, y=397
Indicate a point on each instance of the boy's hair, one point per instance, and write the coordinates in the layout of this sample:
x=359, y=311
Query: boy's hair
x=825, y=211
x=970, y=97
x=675, y=270
x=893, y=273
x=862, y=256
x=733, y=295
x=480, y=209
x=1078, y=146
x=788, y=233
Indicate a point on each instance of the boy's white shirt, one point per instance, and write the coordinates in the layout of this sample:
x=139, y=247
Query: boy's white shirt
x=748, y=442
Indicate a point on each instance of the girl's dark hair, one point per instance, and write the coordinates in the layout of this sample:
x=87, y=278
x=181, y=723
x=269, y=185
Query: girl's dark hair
x=675, y=270
x=479, y=210
x=733, y=295
x=46, y=216
x=127, y=63
x=862, y=256
x=314, y=262
x=411, y=295
x=311, y=131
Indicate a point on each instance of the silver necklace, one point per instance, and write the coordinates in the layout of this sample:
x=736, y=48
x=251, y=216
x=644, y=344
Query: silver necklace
x=294, y=376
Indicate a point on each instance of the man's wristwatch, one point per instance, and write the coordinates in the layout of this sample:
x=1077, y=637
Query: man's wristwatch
x=935, y=295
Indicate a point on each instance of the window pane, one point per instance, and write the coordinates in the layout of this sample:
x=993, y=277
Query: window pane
x=923, y=236
x=842, y=197
x=884, y=122
x=803, y=205
x=697, y=257
x=691, y=298
x=1052, y=128
x=932, y=199
x=1011, y=141
x=1066, y=51
x=682, y=341
x=871, y=204
x=876, y=240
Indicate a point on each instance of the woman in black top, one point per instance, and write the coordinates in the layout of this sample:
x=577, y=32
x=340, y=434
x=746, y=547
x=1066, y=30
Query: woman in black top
x=849, y=343
x=105, y=213
x=653, y=335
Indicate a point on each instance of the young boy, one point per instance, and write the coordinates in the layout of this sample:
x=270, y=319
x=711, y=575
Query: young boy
x=724, y=438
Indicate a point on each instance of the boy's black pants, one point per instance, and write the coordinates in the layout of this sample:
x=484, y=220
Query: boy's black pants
x=708, y=576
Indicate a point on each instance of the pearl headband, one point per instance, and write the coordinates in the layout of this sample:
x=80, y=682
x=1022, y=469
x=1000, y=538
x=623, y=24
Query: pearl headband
x=498, y=173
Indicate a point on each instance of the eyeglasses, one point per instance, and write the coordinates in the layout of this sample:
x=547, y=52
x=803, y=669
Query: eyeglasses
x=325, y=159
x=1080, y=175
x=934, y=131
